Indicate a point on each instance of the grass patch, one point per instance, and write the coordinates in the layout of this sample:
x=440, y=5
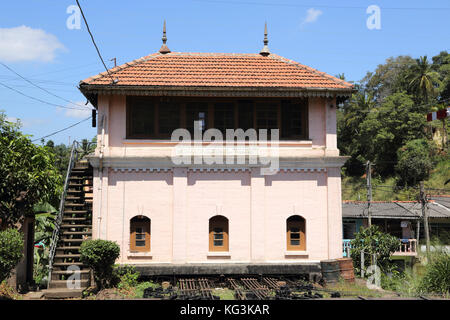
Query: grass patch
x=354, y=289
x=224, y=293
x=139, y=289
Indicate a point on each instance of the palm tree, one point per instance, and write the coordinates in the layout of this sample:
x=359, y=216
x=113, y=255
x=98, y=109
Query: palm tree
x=423, y=81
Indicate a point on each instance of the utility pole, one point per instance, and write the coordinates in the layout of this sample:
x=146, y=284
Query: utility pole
x=423, y=200
x=369, y=191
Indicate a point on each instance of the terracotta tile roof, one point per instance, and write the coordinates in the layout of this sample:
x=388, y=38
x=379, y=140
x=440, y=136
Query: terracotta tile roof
x=218, y=70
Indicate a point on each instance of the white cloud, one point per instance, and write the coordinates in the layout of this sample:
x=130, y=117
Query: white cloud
x=27, y=44
x=311, y=16
x=79, y=113
x=11, y=119
x=28, y=123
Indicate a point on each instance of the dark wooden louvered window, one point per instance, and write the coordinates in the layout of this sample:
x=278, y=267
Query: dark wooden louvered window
x=293, y=120
x=224, y=117
x=168, y=118
x=140, y=118
x=196, y=111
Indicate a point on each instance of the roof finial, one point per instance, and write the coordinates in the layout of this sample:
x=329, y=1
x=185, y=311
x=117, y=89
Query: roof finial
x=164, y=49
x=265, y=50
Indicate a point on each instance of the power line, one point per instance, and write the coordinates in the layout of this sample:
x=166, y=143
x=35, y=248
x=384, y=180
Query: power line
x=93, y=41
x=71, y=126
x=39, y=87
x=315, y=5
x=37, y=99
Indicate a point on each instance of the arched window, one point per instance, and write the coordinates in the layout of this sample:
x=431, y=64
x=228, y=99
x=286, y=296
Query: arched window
x=218, y=234
x=140, y=234
x=295, y=233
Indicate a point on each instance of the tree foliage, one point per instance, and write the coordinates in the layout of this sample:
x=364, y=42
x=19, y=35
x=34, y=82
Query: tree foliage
x=414, y=162
x=11, y=246
x=388, y=110
x=372, y=241
x=27, y=174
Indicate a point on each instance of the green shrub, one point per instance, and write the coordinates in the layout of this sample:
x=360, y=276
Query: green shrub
x=11, y=248
x=125, y=276
x=414, y=162
x=437, y=274
x=100, y=256
x=373, y=242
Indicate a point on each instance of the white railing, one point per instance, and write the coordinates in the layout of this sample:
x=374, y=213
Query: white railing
x=407, y=247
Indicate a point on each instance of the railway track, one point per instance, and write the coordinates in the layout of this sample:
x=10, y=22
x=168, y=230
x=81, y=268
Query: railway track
x=195, y=289
x=272, y=283
x=237, y=290
x=261, y=292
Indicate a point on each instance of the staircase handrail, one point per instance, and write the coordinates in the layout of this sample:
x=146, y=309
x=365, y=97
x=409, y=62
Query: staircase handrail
x=74, y=154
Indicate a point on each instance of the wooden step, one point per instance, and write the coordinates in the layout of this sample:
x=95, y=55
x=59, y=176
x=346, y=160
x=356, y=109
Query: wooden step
x=67, y=255
x=65, y=283
x=75, y=184
x=75, y=212
x=68, y=248
x=67, y=219
x=72, y=204
x=68, y=226
x=67, y=264
x=70, y=233
x=72, y=191
x=60, y=293
x=72, y=240
x=72, y=198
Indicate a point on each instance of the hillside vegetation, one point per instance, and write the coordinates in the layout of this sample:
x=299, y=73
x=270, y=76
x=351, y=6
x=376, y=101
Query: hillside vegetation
x=384, y=122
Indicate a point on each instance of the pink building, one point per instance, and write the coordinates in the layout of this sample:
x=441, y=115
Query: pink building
x=206, y=218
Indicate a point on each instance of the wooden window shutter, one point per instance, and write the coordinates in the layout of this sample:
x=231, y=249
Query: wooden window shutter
x=218, y=234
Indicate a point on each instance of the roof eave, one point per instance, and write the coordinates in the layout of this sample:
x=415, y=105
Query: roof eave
x=95, y=89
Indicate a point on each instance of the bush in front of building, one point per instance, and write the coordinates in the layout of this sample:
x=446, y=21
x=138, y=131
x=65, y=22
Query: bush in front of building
x=125, y=276
x=437, y=274
x=11, y=251
x=100, y=256
x=373, y=242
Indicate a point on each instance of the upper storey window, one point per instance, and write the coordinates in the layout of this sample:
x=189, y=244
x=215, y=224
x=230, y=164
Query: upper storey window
x=158, y=117
x=140, y=118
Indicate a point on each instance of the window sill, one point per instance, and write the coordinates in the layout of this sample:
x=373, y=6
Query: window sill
x=138, y=254
x=224, y=254
x=296, y=253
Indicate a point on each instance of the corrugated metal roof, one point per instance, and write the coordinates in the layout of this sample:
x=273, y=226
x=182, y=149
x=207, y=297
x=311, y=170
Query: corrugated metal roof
x=393, y=210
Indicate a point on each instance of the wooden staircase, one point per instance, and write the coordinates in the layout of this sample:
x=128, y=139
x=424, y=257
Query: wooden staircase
x=76, y=227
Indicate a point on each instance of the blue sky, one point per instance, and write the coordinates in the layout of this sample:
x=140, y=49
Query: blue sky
x=328, y=35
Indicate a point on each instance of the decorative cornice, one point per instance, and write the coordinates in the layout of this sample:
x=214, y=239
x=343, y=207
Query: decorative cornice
x=158, y=164
x=115, y=169
x=165, y=170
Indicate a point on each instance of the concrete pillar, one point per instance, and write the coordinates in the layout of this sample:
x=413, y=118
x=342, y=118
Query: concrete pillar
x=334, y=211
x=330, y=127
x=257, y=216
x=179, y=239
